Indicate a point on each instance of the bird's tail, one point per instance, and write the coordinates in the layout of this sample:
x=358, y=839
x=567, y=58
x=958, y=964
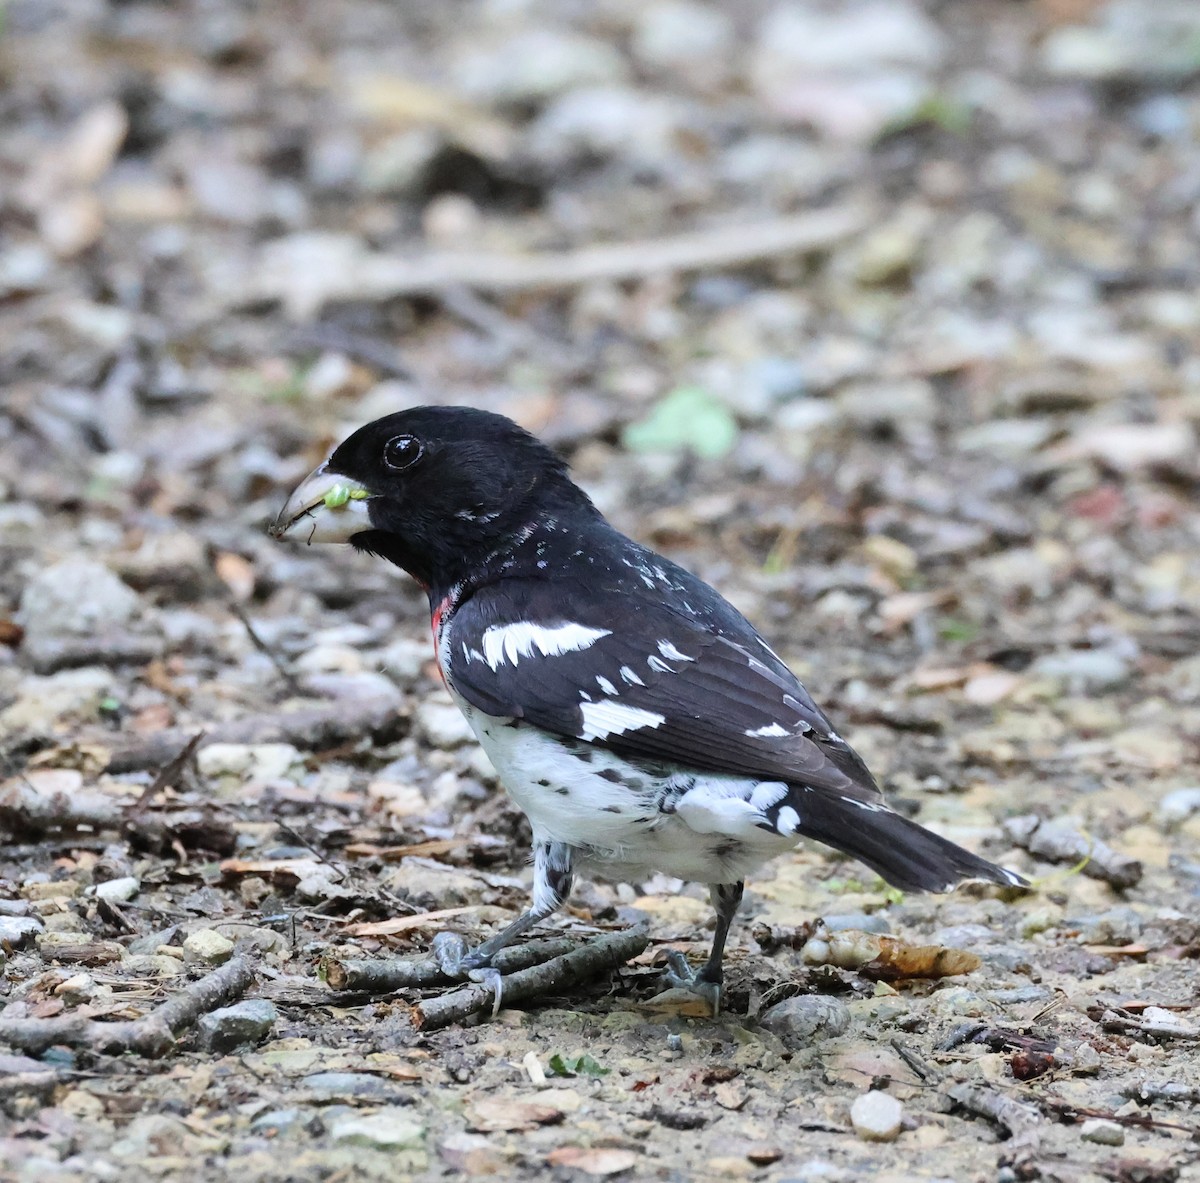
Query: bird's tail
x=904, y=853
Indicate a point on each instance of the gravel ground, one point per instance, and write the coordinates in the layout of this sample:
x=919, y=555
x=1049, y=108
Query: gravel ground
x=882, y=316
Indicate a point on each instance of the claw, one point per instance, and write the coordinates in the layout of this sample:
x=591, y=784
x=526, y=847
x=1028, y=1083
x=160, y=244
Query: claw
x=681, y=976
x=490, y=976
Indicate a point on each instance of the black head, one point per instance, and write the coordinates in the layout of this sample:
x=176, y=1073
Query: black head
x=435, y=490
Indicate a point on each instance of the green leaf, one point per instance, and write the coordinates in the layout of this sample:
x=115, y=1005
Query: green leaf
x=584, y=1065
x=687, y=419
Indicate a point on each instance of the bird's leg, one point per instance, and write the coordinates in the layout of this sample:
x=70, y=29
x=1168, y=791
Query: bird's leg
x=551, y=885
x=706, y=981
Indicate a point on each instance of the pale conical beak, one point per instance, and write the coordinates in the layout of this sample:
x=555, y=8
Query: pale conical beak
x=326, y=507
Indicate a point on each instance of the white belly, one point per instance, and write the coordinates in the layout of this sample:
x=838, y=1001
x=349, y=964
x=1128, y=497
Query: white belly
x=626, y=823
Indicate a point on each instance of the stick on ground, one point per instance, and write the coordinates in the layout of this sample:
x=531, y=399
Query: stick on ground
x=383, y=975
x=1022, y=1123
x=168, y=776
x=310, y=730
x=152, y=1035
x=599, y=956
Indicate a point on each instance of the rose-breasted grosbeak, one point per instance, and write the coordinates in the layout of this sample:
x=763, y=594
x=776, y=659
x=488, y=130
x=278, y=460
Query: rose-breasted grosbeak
x=633, y=714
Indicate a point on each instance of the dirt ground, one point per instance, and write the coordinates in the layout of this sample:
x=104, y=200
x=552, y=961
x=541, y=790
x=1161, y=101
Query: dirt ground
x=880, y=315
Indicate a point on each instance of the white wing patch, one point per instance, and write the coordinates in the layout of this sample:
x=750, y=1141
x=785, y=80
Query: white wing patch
x=606, y=717
x=770, y=731
x=511, y=642
x=788, y=821
x=668, y=650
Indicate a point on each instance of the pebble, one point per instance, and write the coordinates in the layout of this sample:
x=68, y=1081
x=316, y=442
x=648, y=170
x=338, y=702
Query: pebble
x=388, y=1129
x=536, y=65
x=877, y=1116
x=442, y=725
x=76, y=597
x=118, y=890
x=1117, y=926
x=1177, y=806
x=209, y=946
x=1104, y=1133
x=19, y=931
x=857, y=922
x=233, y=1026
x=1083, y=669
x=275, y=1121
x=263, y=761
x=798, y=1021
x=349, y=1086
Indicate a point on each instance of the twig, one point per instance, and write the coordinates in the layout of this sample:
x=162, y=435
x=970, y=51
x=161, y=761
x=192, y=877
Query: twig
x=1061, y=841
x=1022, y=1123
x=312, y=729
x=598, y=956
x=382, y=975
x=1169, y=1090
x=25, y=810
x=152, y=1035
x=279, y=274
x=167, y=778
x=49, y=655
x=289, y=679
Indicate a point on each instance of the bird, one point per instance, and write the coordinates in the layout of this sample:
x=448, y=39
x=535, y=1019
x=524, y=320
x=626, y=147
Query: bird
x=640, y=722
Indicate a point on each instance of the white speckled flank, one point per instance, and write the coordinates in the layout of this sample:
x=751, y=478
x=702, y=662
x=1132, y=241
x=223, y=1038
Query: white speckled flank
x=511, y=642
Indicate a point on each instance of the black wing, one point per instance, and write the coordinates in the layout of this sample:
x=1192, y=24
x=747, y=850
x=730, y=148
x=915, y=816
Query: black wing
x=681, y=679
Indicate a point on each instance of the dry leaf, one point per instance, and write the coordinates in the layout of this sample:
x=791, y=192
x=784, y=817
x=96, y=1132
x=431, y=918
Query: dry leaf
x=599, y=1160
x=731, y=1095
x=236, y=573
x=495, y=1114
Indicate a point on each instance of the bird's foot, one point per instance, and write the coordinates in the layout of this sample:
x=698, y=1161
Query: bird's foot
x=681, y=976
x=457, y=961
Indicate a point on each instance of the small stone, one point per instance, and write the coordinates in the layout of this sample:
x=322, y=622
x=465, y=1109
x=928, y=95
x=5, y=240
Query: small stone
x=262, y=761
x=76, y=597
x=1104, y=1133
x=118, y=890
x=1177, y=806
x=233, y=1026
x=19, y=931
x=389, y=1129
x=856, y=922
x=799, y=1021
x=1086, y=1061
x=275, y=1121
x=1083, y=669
x=1117, y=926
x=349, y=1086
x=442, y=725
x=208, y=946
x=877, y=1116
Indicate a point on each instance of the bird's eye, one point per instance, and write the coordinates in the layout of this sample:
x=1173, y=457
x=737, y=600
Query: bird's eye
x=402, y=451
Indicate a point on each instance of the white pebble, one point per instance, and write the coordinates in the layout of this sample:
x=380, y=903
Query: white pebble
x=877, y=1116
x=1106, y=1133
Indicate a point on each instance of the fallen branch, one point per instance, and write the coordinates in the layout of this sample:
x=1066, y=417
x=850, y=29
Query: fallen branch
x=1169, y=1090
x=383, y=975
x=25, y=810
x=152, y=1035
x=285, y=269
x=48, y=655
x=311, y=729
x=1062, y=841
x=599, y=956
x=1021, y=1122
